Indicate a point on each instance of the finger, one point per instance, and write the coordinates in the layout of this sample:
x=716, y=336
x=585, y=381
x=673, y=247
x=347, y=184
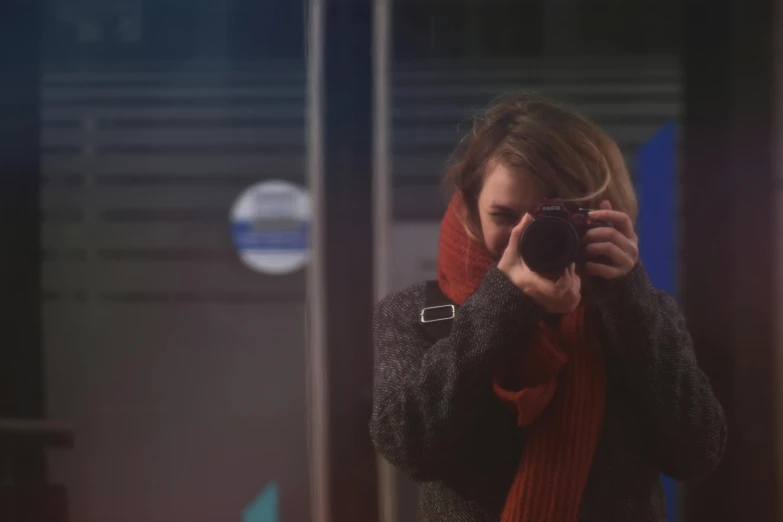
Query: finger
x=610, y=250
x=568, y=280
x=568, y=302
x=575, y=280
x=606, y=205
x=576, y=286
x=601, y=270
x=610, y=235
x=619, y=219
x=563, y=284
x=605, y=234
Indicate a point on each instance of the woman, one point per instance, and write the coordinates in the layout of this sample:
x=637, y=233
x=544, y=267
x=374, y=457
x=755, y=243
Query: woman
x=557, y=398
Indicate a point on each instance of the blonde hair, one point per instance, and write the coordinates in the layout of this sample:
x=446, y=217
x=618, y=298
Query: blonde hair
x=565, y=154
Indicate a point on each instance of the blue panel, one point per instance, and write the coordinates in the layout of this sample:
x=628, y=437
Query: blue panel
x=264, y=508
x=656, y=227
x=656, y=185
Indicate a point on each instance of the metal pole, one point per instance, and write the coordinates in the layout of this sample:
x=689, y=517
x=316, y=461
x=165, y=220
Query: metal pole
x=382, y=57
x=319, y=384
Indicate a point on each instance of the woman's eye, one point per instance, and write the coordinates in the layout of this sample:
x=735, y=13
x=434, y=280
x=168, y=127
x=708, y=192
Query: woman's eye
x=505, y=218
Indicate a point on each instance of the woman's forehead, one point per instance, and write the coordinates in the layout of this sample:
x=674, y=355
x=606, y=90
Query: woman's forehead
x=506, y=187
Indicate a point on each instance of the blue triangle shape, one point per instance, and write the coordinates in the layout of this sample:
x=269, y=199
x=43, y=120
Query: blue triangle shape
x=264, y=507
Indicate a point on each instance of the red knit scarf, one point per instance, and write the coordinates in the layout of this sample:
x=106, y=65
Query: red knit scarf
x=556, y=386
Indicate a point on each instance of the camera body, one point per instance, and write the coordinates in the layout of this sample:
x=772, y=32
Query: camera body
x=554, y=239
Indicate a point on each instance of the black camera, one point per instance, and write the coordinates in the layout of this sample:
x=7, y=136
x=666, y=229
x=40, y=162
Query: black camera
x=554, y=239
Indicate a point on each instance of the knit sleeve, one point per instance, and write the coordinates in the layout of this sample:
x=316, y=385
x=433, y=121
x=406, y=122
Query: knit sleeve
x=653, y=352
x=426, y=396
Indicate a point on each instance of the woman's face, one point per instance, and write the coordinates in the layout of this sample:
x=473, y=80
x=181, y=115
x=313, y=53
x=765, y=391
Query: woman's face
x=504, y=199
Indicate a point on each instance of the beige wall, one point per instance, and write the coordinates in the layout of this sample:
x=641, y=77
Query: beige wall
x=414, y=252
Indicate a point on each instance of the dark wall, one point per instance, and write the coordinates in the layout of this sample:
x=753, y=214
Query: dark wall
x=175, y=30
x=731, y=101
x=21, y=388
x=523, y=28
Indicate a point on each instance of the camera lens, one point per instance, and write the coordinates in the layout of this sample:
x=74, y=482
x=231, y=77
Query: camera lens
x=549, y=244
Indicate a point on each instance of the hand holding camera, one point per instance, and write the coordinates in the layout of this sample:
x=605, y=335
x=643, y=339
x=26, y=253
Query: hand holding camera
x=544, y=249
x=618, y=244
x=602, y=241
x=559, y=294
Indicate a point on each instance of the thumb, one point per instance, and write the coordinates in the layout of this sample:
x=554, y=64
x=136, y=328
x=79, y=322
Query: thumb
x=511, y=254
x=516, y=232
x=606, y=205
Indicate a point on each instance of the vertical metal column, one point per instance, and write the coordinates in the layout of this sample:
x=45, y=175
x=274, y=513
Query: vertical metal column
x=731, y=100
x=316, y=307
x=342, y=297
x=348, y=253
x=382, y=200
